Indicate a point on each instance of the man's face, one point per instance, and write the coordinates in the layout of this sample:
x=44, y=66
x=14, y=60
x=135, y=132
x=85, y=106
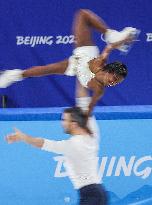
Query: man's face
x=111, y=79
x=66, y=122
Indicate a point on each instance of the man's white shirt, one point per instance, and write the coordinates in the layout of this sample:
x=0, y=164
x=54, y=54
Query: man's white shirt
x=80, y=151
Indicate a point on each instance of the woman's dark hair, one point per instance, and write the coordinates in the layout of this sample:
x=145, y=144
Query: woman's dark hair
x=78, y=115
x=117, y=67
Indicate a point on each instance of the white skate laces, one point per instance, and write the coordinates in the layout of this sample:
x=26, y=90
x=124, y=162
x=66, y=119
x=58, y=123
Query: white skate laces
x=113, y=36
x=8, y=77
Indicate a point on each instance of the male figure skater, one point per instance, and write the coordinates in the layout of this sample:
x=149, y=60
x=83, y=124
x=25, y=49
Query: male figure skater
x=83, y=144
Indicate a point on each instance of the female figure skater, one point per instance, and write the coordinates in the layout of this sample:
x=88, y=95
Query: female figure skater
x=86, y=63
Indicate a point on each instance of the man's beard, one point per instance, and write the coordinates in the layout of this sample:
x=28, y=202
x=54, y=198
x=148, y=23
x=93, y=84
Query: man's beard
x=67, y=131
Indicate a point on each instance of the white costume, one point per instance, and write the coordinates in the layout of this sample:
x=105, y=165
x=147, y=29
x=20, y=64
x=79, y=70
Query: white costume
x=79, y=63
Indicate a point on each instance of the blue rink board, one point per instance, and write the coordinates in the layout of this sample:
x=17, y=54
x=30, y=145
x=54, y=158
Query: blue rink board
x=101, y=113
x=29, y=176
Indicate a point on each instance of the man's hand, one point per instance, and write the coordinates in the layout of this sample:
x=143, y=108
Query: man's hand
x=18, y=136
x=15, y=137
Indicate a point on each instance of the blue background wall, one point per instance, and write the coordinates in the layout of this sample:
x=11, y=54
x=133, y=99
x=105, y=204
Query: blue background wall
x=54, y=18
